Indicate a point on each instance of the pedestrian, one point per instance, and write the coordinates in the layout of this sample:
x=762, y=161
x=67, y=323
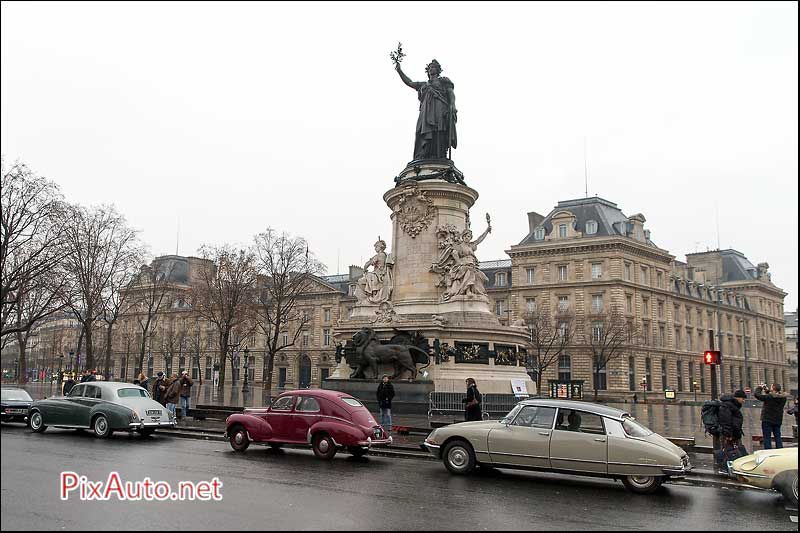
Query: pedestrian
x=385, y=394
x=84, y=376
x=730, y=423
x=91, y=376
x=635, y=398
x=771, y=413
x=794, y=411
x=186, y=392
x=158, y=387
x=68, y=384
x=143, y=381
x=472, y=403
x=171, y=393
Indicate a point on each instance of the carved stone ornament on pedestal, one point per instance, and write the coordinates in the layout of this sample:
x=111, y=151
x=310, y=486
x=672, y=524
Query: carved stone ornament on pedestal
x=415, y=211
x=385, y=314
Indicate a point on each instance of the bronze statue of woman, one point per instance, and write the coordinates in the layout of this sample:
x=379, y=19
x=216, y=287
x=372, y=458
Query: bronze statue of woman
x=436, y=125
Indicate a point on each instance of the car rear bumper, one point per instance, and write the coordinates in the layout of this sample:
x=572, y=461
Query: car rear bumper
x=370, y=443
x=148, y=425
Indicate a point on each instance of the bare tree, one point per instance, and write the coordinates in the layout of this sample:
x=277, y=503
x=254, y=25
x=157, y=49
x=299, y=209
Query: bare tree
x=286, y=274
x=173, y=341
x=195, y=344
x=99, y=243
x=549, y=338
x=150, y=290
x=31, y=248
x=128, y=338
x=610, y=332
x=223, y=294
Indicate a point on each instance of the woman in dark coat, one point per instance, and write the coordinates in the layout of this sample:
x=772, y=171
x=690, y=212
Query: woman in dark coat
x=472, y=407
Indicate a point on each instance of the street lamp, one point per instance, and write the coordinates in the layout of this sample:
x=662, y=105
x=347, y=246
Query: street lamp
x=246, y=366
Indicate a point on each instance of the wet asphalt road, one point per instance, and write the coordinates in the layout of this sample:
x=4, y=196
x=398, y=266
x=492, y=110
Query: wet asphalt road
x=292, y=489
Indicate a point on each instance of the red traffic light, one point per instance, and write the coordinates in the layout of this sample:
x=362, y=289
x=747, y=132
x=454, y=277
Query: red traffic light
x=711, y=357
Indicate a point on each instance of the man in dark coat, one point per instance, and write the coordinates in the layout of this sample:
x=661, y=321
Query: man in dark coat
x=472, y=407
x=158, y=388
x=385, y=394
x=771, y=413
x=730, y=423
x=68, y=384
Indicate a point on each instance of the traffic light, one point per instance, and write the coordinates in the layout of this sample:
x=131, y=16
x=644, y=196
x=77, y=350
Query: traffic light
x=711, y=357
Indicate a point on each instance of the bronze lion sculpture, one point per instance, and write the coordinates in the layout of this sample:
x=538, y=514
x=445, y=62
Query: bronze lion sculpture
x=370, y=353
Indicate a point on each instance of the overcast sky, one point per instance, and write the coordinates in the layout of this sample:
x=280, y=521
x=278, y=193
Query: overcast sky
x=228, y=118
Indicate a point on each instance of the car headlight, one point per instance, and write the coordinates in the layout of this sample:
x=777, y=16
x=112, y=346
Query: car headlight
x=761, y=458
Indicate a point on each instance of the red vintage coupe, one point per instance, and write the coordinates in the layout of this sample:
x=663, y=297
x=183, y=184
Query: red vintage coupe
x=326, y=420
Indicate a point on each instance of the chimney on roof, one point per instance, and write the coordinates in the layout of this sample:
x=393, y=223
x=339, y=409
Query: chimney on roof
x=534, y=219
x=636, y=223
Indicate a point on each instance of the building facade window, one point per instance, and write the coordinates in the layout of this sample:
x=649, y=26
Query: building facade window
x=562, y=272
x=631, y=373
x=645, y=276
x=600, y=381
x=597, y=303
x=499, y=307
x=629, y=303
x=564, y=368
x=627, y=271
x=597, y=270
x=305, y=338
x=530, y=272
x=691, y=376
x=539, y=234
x=282, y=378
x=530, y=305
x=689, y=340
x=648, y=367
x=662, y=336
x=591, y=227
x=562, y=231
x=563, y=303
x=208, y=368
x=326, y=337
x=645, y=307
x=285, y=338
x=663, y=374
x=326, y=314
x=597, y=331
x=680, y=375
x=500, y=279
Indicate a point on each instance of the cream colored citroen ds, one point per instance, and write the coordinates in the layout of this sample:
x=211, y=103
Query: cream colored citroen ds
x=563, y=436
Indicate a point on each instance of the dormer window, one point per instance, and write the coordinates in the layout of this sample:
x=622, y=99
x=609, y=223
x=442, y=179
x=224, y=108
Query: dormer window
x=501, y=279
x=591, y=227
x=539, y=234
x=562, y=231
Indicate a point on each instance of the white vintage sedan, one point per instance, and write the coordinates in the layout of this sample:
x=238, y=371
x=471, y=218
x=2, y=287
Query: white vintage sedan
x=563, y=436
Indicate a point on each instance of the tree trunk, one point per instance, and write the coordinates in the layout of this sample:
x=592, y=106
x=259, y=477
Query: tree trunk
x=539, y=383
x=89, y=345
x=268, y=381
x=199, y=370
x=80, y=347
x=22, y=367
x=141, y=355
x=223, y=348
x=106, y=371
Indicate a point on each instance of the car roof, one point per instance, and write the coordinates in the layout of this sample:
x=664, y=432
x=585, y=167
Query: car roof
x=597, y=409
x=323, y=393
x=109, y=385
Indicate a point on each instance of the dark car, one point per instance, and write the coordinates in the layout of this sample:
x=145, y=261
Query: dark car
x=326, y=420
x=104, y=407
x=14, y=405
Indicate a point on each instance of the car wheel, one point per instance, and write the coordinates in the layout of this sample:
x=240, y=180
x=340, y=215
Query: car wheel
x=786, y=483
x=37, y=422
x=458, y=457
x=357, y=451
x=101, y=427
x=146, y=432
x=324, y=447
x=276, y=445
x=239, y=439
x=642, y=484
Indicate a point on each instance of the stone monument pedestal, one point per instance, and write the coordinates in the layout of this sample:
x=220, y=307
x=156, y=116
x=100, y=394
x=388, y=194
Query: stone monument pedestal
x=430, y=212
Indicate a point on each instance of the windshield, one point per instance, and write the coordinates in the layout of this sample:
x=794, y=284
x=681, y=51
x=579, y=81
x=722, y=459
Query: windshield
x=353, y=402
x=510, y=416
x=15, y=394
x=132, y=392
x=634, y=428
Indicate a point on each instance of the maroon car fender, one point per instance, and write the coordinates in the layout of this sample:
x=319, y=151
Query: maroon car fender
x=257, y=428
x=344, y=434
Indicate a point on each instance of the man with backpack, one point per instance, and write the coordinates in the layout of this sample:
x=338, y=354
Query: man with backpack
x=730, y=426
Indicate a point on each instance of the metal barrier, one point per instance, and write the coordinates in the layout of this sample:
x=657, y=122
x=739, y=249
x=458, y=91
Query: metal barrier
x=449, y=403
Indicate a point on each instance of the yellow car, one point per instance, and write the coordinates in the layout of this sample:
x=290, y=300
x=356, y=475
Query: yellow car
x=769, y=469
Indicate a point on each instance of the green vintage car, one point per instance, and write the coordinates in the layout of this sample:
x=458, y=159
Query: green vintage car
x=563, y=436
x=104, y=407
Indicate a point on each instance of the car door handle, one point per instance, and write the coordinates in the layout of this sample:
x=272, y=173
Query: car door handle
x=545, y=433
x=600, y=440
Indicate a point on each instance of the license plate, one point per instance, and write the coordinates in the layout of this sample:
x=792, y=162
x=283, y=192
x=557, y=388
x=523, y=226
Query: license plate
x=15, y=411
x=154, y=412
